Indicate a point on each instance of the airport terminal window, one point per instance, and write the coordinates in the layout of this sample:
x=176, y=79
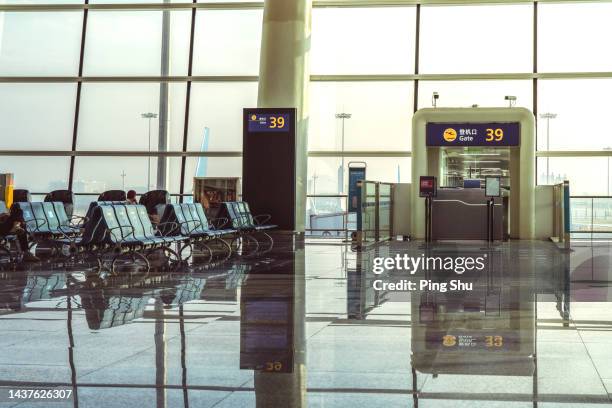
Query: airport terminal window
x=133, y=1
x=129, y=43
x=483, y=93
x=323, y=172
x=577, y=46
x=363, y=40
x=95, y=174
x=381, y=115
x=222, y=49
x=40, y=43
x=215, y=106
x=452, y=40
x=37, y=174
x=372, y=41
x=19, y=2
x=587, y=175
x=36, y=116
x=579, y=105
x=111, y=116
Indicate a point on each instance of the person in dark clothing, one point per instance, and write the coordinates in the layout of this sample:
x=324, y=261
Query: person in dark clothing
x=131, y=197
x=14, y=224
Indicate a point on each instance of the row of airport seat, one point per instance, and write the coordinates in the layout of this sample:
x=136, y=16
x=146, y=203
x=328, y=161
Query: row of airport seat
x=128, y=227
x=154, y=200
x=49, y=220
x=239, y=213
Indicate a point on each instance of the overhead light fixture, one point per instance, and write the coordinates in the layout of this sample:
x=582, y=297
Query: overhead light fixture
x=479, y=154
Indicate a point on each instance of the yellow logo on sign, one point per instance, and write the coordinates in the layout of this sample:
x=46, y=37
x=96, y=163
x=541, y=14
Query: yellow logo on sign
x=449, y=340
x=450, y=135
x=253, y=117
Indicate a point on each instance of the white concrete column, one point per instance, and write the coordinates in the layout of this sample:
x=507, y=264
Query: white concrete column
x=284, y=77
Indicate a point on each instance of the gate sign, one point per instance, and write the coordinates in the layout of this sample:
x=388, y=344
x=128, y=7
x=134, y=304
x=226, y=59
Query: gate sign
x=492, y=134
x=269, y=122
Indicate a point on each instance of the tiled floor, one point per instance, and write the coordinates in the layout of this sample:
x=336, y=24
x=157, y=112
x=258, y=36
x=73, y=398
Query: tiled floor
x=203, y=337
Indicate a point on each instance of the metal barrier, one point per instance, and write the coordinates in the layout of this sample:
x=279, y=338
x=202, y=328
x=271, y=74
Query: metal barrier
x=376, y=212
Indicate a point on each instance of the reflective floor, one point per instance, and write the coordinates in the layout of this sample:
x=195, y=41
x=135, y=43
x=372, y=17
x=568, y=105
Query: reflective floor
x=304, y=326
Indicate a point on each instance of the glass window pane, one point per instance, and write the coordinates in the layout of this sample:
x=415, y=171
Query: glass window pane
x=381, y=115
x=36, y=116
x=229, y=1
x=94, y=174
x=111, y=116
x=218, y=108
x=579, y=171
x=568, y=37
x=130, y=43
x=363, y=40
x=37, y=174
x=482, y=93
x=133, y=1
x=20, y=2
x=476, y=39
x=211, y=167
x=227, y=42
x=323, y=172
x=40, y=43
x=580, y=106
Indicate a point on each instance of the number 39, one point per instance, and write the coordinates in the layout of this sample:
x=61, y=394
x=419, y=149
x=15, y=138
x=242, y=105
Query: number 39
x=495, y=135
x=277, y=122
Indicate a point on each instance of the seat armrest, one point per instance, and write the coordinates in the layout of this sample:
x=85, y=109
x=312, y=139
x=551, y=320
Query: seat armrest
x=218, y=223
x=80, y=221
x=161, y=228
x=39, y=223
x=111, y=232
x=264, y=219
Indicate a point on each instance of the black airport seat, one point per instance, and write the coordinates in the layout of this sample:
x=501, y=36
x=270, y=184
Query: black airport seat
x=239, y=213
x=94, y=204
x=93, y=236
x=113, y=195
x=47, y=219
x=122, y=225
x=191, y=222
x=155, y=201
x=21, y=196
x=63, y=196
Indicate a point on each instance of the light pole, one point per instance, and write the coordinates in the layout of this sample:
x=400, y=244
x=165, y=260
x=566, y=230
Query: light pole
x=123, y=179
x=149, y=115
x=342, y=116
x=548, y=116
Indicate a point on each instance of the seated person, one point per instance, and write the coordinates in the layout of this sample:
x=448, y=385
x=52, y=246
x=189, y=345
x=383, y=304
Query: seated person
x=13, y=224
x=131, y=197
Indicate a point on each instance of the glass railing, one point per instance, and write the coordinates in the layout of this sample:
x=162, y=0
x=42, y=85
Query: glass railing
x=327, y=217
x=591, y=217
x=376, y=211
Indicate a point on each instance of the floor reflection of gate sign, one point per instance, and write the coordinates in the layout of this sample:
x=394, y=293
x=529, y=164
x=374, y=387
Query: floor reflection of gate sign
x=449, y=340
